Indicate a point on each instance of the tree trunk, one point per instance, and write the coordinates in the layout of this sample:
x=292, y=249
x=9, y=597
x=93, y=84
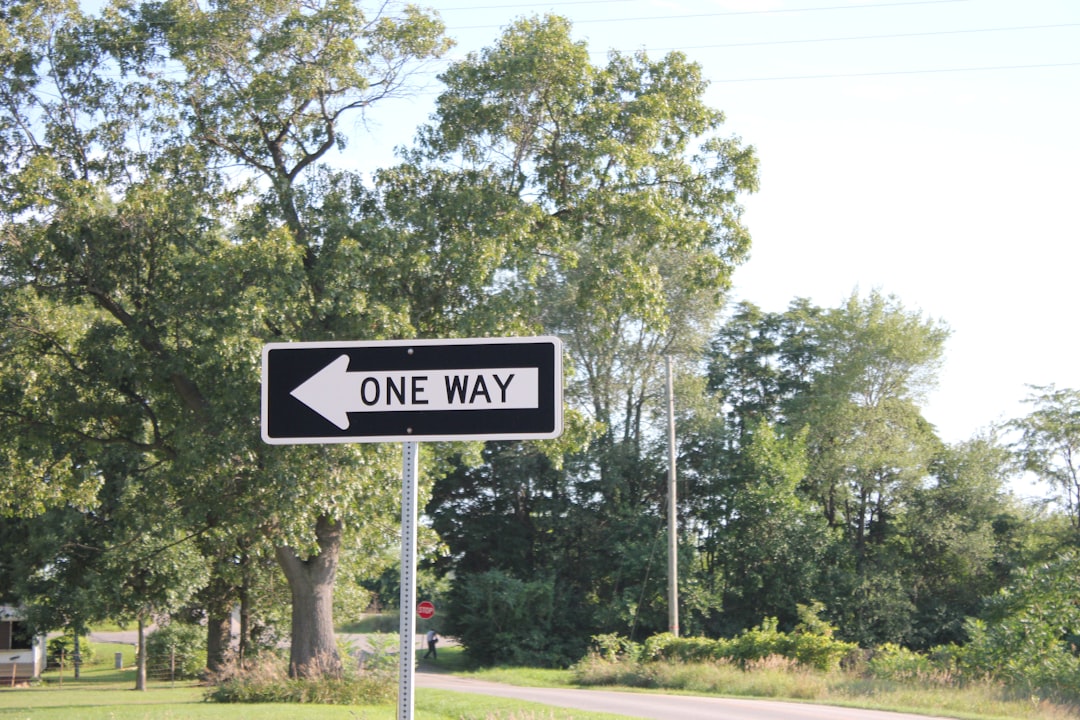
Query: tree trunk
x=218, y=638
x=218, y=598
x=314, y=645
x=140, y=672
x=76, y=655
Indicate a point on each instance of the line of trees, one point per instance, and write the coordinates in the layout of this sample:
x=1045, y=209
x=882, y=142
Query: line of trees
x=809, y=478
x=167, y=206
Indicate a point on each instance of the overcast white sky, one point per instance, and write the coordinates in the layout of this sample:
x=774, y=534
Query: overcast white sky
x=929, y=150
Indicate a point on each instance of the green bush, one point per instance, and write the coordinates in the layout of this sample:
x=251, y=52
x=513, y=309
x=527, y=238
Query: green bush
x=819, y=651
x=613, y=647
x=176, y=651
x=893, y=662
x=760, y=642
x=667, y=646
x=66, y=644
x=1029, y=633
x=502, y=619
x=809, y=649
x=656, y=647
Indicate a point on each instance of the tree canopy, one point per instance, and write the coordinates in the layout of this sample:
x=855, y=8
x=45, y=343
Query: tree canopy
x=167, y=212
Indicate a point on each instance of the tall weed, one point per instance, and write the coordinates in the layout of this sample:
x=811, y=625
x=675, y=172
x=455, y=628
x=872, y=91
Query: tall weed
x=898, y=679
x=266, y=680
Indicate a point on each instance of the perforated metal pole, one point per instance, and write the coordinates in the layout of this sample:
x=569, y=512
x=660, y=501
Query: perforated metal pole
x=410, y=474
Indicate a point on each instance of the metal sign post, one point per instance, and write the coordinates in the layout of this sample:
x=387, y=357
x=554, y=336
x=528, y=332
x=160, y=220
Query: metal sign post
x=673, y=512
x=410, y=474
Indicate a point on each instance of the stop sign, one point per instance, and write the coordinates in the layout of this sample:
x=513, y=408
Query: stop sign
x=425, y=609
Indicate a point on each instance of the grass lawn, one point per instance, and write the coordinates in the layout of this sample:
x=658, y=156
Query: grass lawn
x=373, y=623
x=104, y=693
x=110, y=701
x=187, y=704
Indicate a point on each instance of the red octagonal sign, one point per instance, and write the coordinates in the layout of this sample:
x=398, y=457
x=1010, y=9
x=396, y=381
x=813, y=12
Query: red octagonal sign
x=425, y=609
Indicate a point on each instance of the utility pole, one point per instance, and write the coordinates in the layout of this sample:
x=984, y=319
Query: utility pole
x=673, y=517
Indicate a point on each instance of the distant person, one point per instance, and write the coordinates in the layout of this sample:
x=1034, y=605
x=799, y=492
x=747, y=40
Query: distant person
x=432, y=641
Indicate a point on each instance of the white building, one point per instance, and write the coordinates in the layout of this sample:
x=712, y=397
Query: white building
x=22, y=656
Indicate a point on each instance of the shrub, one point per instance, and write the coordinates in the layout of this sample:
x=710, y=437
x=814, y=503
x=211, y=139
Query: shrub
x=176, y=651
x=819, y=651
x=693, y=649
x=613, y=647
x=66, y=644
x=500, y=618
x=760, y=642
x=812, y=650
x=893, y=662
x=1028, y=634
x=657, y=646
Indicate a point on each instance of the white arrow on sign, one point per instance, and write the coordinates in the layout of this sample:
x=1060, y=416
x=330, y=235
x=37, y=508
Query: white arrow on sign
x=334, y=392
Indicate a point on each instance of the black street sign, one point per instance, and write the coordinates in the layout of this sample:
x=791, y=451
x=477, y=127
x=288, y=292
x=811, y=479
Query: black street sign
x=399, y=390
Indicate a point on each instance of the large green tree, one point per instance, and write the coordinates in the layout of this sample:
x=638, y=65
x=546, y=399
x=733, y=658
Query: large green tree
x=869, y=443
x=629, y=194
x=848, y=381
x=162, y=219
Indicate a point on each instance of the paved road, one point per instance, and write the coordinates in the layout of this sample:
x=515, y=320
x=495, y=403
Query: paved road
x=659, y=707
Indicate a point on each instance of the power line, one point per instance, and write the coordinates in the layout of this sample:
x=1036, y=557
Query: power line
x=764, y=43
x=827, y=76
x=823, y=76
x=890, y=36
x=533, y=5
x=807, y=41
x=730, y=13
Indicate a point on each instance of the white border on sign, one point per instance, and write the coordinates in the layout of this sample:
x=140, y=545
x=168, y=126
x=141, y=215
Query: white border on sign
x=558, y=388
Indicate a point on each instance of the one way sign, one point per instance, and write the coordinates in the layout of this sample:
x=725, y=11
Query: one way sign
x=470, y=389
